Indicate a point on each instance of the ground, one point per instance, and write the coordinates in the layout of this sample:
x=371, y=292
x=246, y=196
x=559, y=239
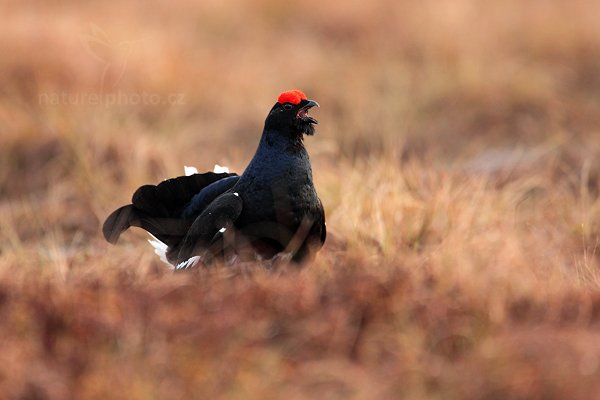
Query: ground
x=457, y=158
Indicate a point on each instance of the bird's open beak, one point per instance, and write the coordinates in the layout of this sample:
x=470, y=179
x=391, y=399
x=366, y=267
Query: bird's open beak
x=303, y=112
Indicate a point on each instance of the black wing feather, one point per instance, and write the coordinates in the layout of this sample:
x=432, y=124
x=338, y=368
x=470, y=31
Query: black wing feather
x=221, y=213
x=168, y=198
x=158, y=208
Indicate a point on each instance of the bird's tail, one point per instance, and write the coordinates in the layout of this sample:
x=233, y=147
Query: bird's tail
x=167, y=230
x=158, y=209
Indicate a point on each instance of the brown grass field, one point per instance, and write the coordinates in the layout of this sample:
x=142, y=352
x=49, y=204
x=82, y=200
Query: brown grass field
x=457, y=156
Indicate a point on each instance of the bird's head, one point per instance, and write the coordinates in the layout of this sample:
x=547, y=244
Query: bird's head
x=290, y=114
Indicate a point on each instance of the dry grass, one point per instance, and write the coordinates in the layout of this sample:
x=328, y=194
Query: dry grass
x=457, y=158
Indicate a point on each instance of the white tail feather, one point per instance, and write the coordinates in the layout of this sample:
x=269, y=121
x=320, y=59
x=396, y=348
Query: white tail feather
x=188, y=264
x=218, y=169
x=189, y=170
x=160, y=248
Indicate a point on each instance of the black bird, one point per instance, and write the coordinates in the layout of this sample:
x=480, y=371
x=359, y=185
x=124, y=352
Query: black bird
x=271, y=210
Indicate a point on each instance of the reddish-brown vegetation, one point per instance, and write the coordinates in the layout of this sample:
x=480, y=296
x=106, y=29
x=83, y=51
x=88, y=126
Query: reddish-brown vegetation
x=457, y=158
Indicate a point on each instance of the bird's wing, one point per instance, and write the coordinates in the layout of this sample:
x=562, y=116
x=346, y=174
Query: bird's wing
x=159, y=209
x=218, y=216
x=168, y=198
x=203, y=198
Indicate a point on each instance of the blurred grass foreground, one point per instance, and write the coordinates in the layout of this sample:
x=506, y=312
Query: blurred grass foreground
x=457, y=157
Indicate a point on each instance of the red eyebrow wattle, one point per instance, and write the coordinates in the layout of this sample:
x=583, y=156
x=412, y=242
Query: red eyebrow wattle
x=293, y=96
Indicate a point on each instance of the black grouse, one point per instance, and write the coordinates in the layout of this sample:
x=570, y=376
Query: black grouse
x=272, y=209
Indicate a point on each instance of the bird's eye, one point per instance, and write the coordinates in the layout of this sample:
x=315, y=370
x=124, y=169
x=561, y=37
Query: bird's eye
x=287, y=106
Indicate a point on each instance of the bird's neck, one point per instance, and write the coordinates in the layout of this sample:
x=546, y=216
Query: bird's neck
x=278, y=155
x=286, y=142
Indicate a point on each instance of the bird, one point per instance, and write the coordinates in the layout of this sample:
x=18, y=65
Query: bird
x=269, y=212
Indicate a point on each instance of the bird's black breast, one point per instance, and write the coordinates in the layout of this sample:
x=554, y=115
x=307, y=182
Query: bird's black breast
x=278, y=195
x=281, y=209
